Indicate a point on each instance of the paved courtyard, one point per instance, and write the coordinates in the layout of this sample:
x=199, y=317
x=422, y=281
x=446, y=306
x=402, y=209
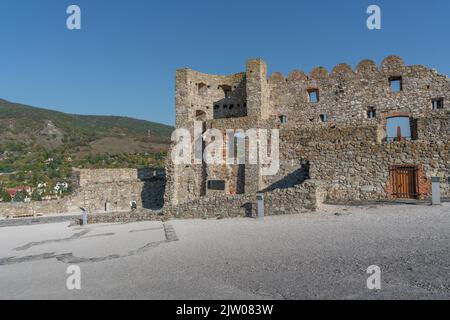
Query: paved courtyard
x=322, y=255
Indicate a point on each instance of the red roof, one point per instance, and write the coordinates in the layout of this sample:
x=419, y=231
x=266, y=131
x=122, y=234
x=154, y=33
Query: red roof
x=12, y=191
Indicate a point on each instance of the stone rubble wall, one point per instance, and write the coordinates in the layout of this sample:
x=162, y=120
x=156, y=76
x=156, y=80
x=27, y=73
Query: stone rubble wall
x=12, y=209
x=298, y=199
x=345, y=94
x=118, y=187
x=125, y=217
x=348, y=152
x=360, y=171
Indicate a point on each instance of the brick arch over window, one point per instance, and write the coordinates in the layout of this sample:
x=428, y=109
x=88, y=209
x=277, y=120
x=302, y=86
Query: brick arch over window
x=395, y=114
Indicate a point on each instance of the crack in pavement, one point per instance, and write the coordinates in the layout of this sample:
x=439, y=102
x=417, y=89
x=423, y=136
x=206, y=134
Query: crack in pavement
x=14, y=260
x=33, y=244
x=69, y=258
x=143, y=230
x=76, y=236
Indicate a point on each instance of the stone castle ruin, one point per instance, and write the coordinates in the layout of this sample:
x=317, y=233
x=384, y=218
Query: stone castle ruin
x=369, y=134
x=107, y=191
x=373, y=133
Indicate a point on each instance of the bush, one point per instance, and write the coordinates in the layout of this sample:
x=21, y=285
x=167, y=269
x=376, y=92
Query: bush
x=5, y=196
x=36, y=196
x=20, y=196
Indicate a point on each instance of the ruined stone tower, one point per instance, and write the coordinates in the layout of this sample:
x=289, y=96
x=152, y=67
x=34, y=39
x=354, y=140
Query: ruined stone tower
x=335, y=131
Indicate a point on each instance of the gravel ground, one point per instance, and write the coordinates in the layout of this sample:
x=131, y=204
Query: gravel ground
x=322, y=255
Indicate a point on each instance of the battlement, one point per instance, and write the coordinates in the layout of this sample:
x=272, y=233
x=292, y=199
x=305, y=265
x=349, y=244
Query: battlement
x=352, y=130
x=343, y=95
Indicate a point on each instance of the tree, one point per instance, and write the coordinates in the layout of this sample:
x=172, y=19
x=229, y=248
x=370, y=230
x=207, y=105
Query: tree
x=36, y=196
x=5, y=196
x=20, y=196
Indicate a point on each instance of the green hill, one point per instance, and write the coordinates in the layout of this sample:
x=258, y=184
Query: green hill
x=52, y=129
x=42, y=146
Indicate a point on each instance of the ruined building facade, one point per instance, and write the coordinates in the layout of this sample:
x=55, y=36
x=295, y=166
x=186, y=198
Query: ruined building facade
x=373, y=133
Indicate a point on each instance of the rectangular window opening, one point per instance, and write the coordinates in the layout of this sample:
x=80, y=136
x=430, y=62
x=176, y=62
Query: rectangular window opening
x=437, y=104
x=396, y=84
x=324, y=118
x=313, y=95
x=371, y=113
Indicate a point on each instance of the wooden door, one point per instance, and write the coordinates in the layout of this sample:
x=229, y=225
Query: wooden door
x=405, y=181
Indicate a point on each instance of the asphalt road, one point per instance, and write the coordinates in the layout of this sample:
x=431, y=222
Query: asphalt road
x=323, y=255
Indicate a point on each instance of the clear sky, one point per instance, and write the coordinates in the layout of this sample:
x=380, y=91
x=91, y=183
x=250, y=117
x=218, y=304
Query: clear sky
x=123, y=61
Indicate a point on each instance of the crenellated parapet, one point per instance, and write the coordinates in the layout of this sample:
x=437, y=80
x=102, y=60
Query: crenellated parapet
x=343, y=95
x=347, y=128
x=347, y=96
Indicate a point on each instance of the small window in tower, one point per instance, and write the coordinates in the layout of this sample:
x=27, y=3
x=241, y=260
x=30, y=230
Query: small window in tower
x=216, y=107
x=437, y=104
x=324, y=117
x=396, y=84
x=283, y=119
x=202, y=88
x=200, y=115
x=231, y=106
x=226, y=91
x=371, y=113
x=313, y=95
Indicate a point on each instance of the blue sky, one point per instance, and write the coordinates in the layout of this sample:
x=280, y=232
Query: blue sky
x=123, y=61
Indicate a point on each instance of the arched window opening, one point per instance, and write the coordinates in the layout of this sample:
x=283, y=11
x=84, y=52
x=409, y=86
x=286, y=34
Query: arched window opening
x=200, y=115
x=226, y=91
x=202, y=88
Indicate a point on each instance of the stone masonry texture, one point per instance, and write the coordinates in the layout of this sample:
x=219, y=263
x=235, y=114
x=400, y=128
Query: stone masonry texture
x=334, y=147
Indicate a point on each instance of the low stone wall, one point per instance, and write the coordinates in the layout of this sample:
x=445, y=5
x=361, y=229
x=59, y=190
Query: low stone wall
x=12, y=209
x=147, y=194
x=302, y=198
x=88, y=177
x=126, y=217
x=118, y=187
x=298, y=199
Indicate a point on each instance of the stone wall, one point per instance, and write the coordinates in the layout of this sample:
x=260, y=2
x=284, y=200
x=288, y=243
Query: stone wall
x=358, y=170
x=119, y=187
x=345, y=94
x=348, y=153
x=298, y=199
x=201, y=96
x=11, y=209
x=96, y=188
